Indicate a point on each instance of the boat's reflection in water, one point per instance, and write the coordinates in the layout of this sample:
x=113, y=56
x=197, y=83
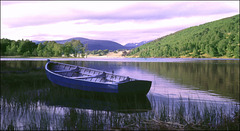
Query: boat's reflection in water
x=73, y=98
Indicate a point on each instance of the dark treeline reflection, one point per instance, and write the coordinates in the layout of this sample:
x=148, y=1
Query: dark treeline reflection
x=21, y=65
x=100, y=65
x=221, y=77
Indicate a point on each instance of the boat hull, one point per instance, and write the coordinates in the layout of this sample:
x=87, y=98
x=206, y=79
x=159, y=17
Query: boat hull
x=81, y=85
x=138, y=87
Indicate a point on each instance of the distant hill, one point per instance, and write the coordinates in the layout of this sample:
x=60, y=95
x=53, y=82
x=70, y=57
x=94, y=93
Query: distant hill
x=92, y=44
x=134, y=45
x=214, y=39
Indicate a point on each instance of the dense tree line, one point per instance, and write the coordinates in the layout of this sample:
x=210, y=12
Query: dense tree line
x=214, y=39
x=46, y=49
x=99, y=52
x=20, y=47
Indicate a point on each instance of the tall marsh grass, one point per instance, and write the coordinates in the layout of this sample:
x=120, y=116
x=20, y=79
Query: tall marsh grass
x=176, y=114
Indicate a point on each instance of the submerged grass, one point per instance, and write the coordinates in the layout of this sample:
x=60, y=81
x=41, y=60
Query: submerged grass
x=172, y=115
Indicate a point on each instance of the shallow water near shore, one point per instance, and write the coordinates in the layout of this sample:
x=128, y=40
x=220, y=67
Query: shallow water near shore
x=30, y=101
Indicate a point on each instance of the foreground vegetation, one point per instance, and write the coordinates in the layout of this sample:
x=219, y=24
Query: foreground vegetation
x=177, y=115
x=30, y=102
x=215, y=39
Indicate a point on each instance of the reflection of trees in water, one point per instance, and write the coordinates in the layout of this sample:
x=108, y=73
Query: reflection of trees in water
x=22, y=65
x=100, y=65
x=222, y=77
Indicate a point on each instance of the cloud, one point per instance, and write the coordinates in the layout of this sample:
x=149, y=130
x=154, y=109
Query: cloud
x=157, y=11
x=47, y=37
x=119, y=21
x=30, y=14
x=39, y=13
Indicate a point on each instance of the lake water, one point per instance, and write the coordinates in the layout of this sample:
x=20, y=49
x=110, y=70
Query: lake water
x=30, y=101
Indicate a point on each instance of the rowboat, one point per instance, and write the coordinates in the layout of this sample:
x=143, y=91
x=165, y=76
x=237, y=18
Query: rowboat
x=92, y=80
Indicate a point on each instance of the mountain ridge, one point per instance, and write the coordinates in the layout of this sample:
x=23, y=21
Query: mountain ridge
x=134, y=45
x=92, y=44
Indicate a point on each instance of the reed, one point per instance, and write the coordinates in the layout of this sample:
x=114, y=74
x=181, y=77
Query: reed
x=173, y=115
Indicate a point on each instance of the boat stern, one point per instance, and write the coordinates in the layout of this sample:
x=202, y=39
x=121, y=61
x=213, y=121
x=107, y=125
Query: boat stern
x=137, y=87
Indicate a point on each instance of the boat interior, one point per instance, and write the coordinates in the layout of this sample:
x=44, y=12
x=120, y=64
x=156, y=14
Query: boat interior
x=87, y=74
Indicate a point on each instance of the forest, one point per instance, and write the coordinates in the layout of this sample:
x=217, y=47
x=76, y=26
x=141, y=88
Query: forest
x=28, y=48
x=214, y=39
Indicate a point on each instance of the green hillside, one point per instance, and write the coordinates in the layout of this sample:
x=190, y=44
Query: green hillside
x=214, y=39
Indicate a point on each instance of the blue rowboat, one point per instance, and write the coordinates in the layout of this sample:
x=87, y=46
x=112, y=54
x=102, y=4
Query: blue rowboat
x=87, y=79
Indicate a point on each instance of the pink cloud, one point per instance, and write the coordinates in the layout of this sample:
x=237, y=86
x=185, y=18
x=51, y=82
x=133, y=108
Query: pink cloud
x=139, y=11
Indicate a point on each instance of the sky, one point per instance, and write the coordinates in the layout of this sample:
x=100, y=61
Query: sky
x=120, y=21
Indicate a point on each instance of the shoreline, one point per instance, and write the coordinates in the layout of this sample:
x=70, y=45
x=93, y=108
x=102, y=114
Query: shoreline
x=119, y=55
x=115, y=57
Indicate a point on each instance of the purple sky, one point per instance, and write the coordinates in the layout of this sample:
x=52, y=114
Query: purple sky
x=120, y=21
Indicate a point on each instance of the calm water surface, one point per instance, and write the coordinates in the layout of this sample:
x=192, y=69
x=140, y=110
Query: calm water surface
x=28, y=98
